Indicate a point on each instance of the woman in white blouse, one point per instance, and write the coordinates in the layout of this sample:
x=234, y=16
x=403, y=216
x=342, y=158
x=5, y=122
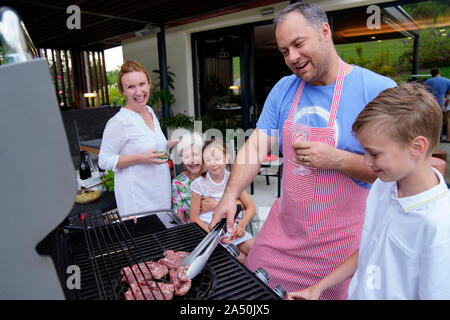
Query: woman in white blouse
x=131, y=145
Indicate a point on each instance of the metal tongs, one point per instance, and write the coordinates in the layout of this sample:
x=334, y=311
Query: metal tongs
x=197, y=259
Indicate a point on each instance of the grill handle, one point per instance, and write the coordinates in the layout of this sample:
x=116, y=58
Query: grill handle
x=262, y=274
x=280, y=291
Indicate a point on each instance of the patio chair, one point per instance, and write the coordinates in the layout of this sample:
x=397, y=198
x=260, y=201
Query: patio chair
x=272, y=166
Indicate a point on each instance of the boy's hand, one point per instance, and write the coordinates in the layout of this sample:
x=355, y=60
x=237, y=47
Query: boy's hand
x=310, y=293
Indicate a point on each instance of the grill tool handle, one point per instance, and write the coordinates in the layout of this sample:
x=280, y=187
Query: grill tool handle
x=223, y=223
x=199, y=256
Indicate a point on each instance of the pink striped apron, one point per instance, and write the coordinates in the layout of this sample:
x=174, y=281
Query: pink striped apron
x=317, y=223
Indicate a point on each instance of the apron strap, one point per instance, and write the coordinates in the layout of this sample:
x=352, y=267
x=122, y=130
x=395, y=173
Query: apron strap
x=297, y=97
x=336, y=95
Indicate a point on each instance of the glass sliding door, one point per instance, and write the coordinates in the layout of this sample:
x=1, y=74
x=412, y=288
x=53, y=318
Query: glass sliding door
x=222, y=72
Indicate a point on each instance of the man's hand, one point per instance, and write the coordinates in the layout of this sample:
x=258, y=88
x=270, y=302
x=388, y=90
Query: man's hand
x=323, y=156
x=225, y=209
x=316, y=154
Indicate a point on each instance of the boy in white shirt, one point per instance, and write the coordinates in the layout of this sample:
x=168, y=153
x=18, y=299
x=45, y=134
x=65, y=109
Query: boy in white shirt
x=405, y=246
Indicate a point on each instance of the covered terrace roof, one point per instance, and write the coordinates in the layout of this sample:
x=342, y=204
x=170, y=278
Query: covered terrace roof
x=104, y=24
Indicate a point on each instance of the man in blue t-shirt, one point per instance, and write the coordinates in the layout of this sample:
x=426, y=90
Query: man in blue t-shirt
x=318, y=219
x=440, y=87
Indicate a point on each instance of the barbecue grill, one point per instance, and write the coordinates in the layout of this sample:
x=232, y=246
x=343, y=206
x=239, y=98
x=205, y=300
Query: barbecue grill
x=101, y=244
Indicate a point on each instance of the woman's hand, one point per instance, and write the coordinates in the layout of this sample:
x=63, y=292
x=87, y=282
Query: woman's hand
x=310, y=293
x=207, y=204
x=152, y=157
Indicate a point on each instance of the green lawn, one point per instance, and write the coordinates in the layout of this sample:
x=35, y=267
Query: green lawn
x=394, y=47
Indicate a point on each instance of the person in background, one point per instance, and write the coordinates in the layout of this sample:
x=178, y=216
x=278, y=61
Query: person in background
x=316, y=223
x=212, y=184
x=133, y=147
x=440, y=87
x=405, y=245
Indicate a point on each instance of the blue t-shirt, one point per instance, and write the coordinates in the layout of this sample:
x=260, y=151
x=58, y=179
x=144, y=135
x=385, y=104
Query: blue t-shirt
x=439, y=87
x=360, y=87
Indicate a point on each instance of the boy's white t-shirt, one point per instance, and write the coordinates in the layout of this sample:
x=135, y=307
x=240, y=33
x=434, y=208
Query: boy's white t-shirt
x=405, y=245
x=206, y=187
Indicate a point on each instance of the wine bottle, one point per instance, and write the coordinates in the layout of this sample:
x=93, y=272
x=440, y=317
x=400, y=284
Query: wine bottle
x=85, y=168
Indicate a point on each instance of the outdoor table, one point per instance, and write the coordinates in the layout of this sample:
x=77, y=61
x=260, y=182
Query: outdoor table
x=105, y=202
x=91, y=145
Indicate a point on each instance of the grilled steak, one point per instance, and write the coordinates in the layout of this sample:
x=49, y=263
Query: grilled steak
x=143, y=292
x=180, y=281
x=142, y=284
x=141, y=271
x=172, y=259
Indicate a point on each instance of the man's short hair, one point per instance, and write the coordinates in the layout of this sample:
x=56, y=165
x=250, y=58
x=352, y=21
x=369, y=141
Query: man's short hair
x=404, y=113
x=434, y=72
x=313, y=14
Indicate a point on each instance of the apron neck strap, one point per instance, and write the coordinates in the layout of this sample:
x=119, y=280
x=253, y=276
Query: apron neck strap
x=336, y=94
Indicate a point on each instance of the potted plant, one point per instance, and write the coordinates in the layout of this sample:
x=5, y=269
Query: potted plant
x=178, y=122
x=159, y=96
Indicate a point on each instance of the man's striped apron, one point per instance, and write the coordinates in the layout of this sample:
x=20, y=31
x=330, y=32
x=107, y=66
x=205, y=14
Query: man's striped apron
x=317, y=223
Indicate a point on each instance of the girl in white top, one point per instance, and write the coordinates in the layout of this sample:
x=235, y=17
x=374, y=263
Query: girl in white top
x=405, y=244
x=212, y=184
x=131, y=147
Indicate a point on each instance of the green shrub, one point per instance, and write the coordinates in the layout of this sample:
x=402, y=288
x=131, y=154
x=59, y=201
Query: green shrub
x=115, y=97
x=179, y=120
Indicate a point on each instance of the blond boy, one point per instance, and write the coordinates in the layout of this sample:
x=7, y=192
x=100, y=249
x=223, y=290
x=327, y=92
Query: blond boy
x=405, y=246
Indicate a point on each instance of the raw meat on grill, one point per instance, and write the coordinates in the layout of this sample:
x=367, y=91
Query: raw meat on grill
x=180, y=281
x=141, y=271
x=144, y=290
x=172, y=259
x=137, y=275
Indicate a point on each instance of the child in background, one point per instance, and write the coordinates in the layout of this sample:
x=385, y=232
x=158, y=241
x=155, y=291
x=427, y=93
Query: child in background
x=190, y=151
x=405, y=245
x=212, y=184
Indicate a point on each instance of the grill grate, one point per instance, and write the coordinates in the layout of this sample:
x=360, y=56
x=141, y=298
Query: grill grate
x=111, y=246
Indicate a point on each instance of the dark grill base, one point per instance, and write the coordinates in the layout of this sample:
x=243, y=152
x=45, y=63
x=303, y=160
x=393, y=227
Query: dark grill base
x=110, y=250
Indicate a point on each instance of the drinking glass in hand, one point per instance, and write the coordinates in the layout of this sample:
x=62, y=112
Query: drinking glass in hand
x=300, y=128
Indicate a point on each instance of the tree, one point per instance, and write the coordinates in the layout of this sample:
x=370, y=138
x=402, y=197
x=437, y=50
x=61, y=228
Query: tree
x=429, y=10
x=2, y=59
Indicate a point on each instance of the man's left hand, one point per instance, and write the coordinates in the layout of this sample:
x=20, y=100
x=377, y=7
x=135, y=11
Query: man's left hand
x=315, y=154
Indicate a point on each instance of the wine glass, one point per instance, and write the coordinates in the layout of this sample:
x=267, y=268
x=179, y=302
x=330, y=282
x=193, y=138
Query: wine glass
x=300, y=128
